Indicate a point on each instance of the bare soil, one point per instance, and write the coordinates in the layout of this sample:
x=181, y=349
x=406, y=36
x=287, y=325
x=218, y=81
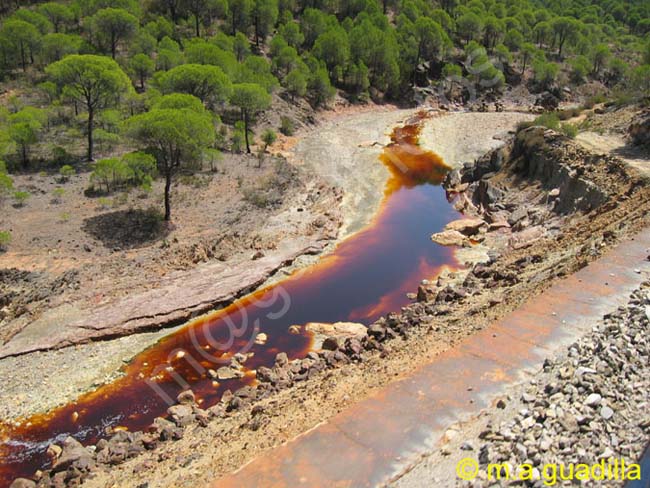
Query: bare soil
x=73, y=256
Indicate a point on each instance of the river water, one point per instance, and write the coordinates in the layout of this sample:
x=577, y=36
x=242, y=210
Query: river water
x=365, y=277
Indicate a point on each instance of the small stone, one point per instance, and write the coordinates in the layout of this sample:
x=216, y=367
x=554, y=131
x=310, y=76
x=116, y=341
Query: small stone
x=22, y=483
x=466, y=446
x=501, y=404
x=606, y=454
x=261, y=339
x=186, y=397
x=294, y=329
x=226, y=373
x=53, y=451
x=593, y=400
x=281, y=359
x=606, y=412
x=527, y=398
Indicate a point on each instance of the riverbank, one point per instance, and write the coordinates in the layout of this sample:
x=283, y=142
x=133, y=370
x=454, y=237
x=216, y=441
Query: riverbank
x=526, y=263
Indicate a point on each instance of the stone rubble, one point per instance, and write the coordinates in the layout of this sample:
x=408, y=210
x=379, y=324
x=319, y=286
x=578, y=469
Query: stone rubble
x=585, y=407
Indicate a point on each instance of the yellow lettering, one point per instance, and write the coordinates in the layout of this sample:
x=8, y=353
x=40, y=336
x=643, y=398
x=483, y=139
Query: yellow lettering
x=598, y=470
x=564, y=476
x=633, y=472
x=495, y=471
x=582, y=472
x=526, y=472
x=549, y=474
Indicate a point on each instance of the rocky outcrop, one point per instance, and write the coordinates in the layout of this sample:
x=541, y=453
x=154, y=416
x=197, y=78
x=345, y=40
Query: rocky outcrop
x=639, y=130
x=182, y=297
x=574, y=180
x=542, y=155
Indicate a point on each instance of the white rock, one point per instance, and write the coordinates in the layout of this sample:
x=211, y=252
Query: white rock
x=593, y=400
x=606, y=412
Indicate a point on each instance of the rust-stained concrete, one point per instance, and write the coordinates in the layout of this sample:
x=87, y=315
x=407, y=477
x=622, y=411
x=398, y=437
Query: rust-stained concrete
x=383, y=436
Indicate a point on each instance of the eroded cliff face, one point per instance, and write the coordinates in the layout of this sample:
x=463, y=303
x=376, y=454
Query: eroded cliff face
x=564, y=177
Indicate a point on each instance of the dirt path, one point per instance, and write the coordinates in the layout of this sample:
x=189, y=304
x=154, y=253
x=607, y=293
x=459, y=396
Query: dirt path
x=615, y=145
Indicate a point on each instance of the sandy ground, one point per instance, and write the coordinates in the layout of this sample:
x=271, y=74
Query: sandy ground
x=463, y=137
x=616, y=145
x=345, y=151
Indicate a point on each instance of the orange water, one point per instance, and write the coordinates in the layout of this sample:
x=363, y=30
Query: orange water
x=367, y=276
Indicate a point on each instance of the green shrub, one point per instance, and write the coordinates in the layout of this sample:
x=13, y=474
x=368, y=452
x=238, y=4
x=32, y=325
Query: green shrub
x=549, y=120
x=21, y=197
x=111, y=173
x=569, y=130
x=287, y=126
x=237, y=141
x=66, y=172
x=452, y=70
x=5, y=238
x=142, y=167
x=60, y=155
x=269, y=137
x=57, y=195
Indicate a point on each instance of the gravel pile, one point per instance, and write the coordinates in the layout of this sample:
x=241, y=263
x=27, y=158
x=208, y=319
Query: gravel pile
x=593, y=404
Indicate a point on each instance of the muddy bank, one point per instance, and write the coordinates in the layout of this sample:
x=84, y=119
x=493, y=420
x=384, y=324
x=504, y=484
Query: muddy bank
x=525, y=262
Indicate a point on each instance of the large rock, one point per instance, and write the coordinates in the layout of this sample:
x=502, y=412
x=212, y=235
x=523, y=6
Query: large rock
x=468, y=227
x=330, y=336
x=449, y=238
x=178, y=298
x=640, y=129
x=526, y=237
x=72, y=453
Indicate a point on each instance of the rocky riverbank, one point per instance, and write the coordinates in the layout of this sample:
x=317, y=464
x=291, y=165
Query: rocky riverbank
x=292, y=396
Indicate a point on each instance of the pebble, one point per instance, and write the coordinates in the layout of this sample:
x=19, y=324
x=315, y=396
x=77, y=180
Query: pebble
x=560, y=418
x=606, y=413
x=593, y=400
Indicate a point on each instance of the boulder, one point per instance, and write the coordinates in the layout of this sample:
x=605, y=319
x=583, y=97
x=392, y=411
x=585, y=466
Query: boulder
x=449, y=238
x=331, y=336
x=468, y=227
x=72, y=452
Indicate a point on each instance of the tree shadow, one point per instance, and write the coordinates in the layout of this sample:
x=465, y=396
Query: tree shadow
x=127, y=229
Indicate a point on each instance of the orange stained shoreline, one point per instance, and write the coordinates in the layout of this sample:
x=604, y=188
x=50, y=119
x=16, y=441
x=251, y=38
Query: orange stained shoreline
x=366, y=276
x=377, y=440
